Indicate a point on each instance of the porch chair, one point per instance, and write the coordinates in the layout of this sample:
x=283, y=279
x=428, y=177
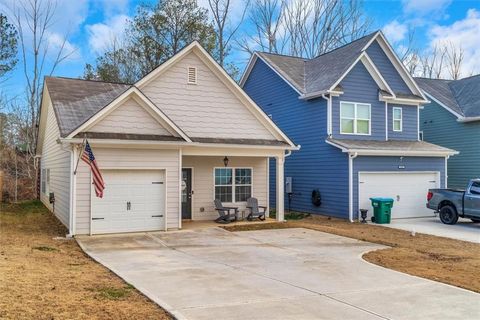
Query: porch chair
x=226, y=214
x=256, y=211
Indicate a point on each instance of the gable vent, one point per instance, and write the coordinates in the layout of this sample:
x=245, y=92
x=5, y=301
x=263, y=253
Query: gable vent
x=192, y=75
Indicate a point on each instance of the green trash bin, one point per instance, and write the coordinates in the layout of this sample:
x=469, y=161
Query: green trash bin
x=382, y=210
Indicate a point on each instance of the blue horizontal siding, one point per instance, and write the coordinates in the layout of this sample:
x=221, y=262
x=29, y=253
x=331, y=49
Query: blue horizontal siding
x=317, y=165
x=387, y=69
x=410, y=120
x=390, y=164
x=440, y=127
x=359, y=86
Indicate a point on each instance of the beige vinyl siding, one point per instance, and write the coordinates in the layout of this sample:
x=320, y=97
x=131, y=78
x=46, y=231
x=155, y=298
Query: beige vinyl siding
x=130, y=117
x=58, y=161
x=125, y=159
x=203, y=187
x=205, y=109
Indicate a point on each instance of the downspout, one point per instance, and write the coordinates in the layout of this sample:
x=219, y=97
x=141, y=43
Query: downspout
x=386, y=121
x=446, y=172
x=351, y=156
x=73, y=186
x=71, y=227
x=329, y=114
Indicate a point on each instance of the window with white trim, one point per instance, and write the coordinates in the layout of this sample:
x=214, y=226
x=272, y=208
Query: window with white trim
x=355, y=118
x=233, y=184
x=397, y=119
x=43, y=186
x=45, y=181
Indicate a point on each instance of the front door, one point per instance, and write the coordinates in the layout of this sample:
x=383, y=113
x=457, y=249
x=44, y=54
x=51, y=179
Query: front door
x=186, y=193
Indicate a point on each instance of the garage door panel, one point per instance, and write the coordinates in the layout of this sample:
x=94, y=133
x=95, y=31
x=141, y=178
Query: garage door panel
x=146, y=200
x=408, y=189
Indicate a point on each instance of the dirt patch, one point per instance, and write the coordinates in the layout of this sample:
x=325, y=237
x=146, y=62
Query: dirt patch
x=44, y=276
x=445, y=260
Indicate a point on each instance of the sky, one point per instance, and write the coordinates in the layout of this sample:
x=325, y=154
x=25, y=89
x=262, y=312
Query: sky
x=92, y=24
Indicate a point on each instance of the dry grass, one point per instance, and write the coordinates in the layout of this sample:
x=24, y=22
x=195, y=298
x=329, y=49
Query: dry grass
x=44, y=278
x=441, y=259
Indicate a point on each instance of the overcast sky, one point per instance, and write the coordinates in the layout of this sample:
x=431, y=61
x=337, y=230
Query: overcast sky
x=93, y=23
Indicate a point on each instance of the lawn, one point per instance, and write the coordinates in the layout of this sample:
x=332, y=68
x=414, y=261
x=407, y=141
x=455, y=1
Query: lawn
x=42, y=277
x=445, y=260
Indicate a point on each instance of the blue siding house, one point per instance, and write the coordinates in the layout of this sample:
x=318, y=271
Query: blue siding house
x=355, y=113
x=452, y=120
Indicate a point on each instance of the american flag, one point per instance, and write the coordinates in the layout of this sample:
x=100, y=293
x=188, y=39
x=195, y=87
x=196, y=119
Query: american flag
x=89, y=158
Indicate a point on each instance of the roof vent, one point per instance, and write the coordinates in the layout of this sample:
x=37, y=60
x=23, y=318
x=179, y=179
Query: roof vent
x=192, y=75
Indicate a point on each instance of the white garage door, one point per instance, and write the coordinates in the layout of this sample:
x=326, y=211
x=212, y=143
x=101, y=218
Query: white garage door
x=409, y=191
x=133, y=200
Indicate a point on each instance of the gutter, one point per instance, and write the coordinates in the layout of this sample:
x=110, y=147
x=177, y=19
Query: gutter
x=468, y=119
x=307, y=96
x=366, y=152
x=178, y=143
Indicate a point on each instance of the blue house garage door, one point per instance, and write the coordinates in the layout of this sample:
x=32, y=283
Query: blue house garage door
x=408, y=189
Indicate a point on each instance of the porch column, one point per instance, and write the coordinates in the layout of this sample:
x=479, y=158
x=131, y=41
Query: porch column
x=280, y=188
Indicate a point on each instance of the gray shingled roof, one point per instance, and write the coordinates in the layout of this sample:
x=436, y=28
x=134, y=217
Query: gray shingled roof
x=318, y=74
x=291, y=68
x=461, y=96
x=390, y=145
x=75, y=100
x=324, y=70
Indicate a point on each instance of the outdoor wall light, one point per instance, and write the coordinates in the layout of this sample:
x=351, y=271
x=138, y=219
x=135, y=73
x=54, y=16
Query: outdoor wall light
x=225, y=161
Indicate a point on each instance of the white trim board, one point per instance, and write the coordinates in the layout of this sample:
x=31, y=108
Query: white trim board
x=364, y=152
x=401, y=69
x=143, y=101
x=251, y=64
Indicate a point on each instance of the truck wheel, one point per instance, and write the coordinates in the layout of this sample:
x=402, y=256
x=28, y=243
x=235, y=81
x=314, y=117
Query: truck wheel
x=475, y=220
x=448, y=215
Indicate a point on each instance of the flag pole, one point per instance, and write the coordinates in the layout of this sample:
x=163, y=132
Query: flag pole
x=80, y=154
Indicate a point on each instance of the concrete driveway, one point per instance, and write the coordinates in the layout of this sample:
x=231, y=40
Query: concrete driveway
x=464, y=230
x=273, y=274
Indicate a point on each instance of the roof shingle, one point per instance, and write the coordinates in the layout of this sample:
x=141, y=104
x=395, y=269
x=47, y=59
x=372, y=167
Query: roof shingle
x=320, y=73
x=461, y=96
x=75, y=100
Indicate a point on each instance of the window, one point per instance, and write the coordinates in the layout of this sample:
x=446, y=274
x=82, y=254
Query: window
x=397, y=119
x=44, y=181
x=192, y=75
x=233, y=184
x=475, y=188
x=243, y=184
x=354, y=118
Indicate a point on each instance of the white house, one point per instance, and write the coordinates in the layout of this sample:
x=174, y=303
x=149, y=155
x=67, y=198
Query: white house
x=167, y=146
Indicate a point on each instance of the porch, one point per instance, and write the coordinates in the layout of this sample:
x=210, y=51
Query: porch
x=230, y=177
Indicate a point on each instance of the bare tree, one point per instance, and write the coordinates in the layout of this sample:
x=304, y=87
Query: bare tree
x=455, y=61
x=221, y=11
x=306, y=28
x=265, y=15
x=34, y=20
x=444, y=60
